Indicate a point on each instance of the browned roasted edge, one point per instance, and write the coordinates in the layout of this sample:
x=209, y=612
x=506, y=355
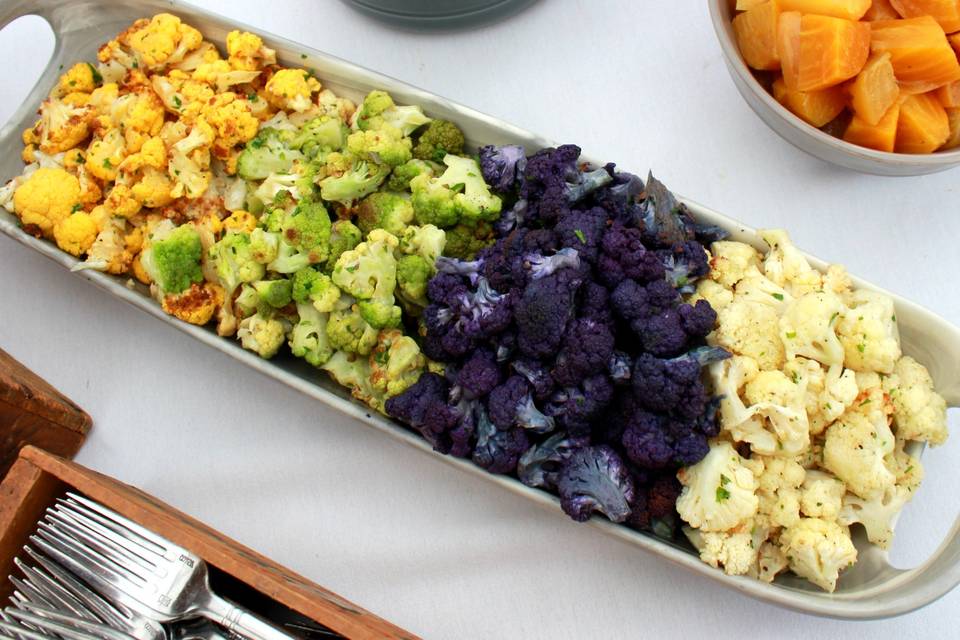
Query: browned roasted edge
x=38, y=476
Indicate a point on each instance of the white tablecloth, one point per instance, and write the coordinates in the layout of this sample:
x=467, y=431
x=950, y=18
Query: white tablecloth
x=440, y=553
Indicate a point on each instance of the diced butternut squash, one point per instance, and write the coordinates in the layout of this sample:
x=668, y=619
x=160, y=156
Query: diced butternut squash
x=919, y=51
x=945, y=12
x=788, y=47
x=846, y=9
x=746, y=5
x=756, y=32
x=881, y=10
x=955, y=42
x=831, y=50
x=949, y=95
x=953, y=117
x=874, y=90
x=814, y=107
x=881, y=136
x=923, y=126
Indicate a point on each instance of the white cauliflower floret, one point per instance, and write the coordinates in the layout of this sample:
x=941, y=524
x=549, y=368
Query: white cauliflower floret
x=807, y=328
x=854, y=451
x=756, y=287
x=730, y=261
x=829, y=392
x=750, y=329
x=262, y=335
x=770, y=562
x=818, y=550
x=718, y=492
x=786, y=266
x=822, y=495
x=837, y=280
x=713, y=292
x=734, y=552
x=779, y=490
x=868, y=332
x=780, y=402
x=919, y=412
x=876, y=515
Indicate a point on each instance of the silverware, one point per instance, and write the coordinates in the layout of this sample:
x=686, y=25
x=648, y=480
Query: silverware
x=41, y=623
x=138, y=569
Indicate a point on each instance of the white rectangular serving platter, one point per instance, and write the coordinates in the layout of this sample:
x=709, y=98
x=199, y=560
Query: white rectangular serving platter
x=872, y=589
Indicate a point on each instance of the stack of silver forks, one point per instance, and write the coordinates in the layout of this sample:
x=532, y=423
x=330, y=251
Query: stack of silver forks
x=90, y=573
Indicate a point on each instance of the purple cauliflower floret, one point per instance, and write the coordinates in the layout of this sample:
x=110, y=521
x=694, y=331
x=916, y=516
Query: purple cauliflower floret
x=595, y=303
x=446, y=289
x=502, y=166
x=424, y=407
x=675, y=385
x=621, y=198
x=633, y=301
x=577, y=407
x=699, y=319
x=496, y=450
x=583, y=231
x=505, y=262
x=671, y=331
x=541, y=463
x=595, y=479
x=545, y=181
x=466, y=269
x=484, y=312
x=479, y=374
x=658, y=442
x=623, y=255
x=511, y=405
x=587, y=347
x=619, y=367
x=543, y=312
x=537, y=376
x=685, y=263
x=504, y=345
x=654, y=507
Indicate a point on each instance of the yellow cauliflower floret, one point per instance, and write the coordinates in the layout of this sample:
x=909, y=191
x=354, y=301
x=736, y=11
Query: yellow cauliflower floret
x=76, y=99
x=195, y=305
x=90, y=191
x=854, y=451
x=750, y=329
x=868, y=332
x=139, y=115
x=232, y=120
x=920, y=413
x=105, y=154
x=291, y=89
x=719, y=492
x=29, y=154
x=818, y=550
x=103, y=98
x=246, y=51
x=164, y=38
x=120, y=202
x=76, y=233
x=48, y=196
x=62, y=127
x=240, y=221
x=79, y=77
x=807, y=328
x=153, y=189
x=730, y=260
x=221, y=76
x=138, y=271
x=181, y=95
x=153, y=154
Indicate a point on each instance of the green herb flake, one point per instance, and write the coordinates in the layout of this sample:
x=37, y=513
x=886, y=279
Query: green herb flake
x=778, y=296
x=177, y=102
x=303, y=56
x=722, y=494
x=76, y=207
x=909, y=469
x=893, y=318
x=580, y=236
x=352, y=268
x=865, y=403
x=724, y=480
x=107, y=164
x=97, y=78
x=861, y=347
x=834, y=316
x=791, y=334
x=252, y=96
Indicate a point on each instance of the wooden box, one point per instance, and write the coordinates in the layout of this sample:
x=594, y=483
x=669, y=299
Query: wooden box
x=37, y=478
x=33, y=412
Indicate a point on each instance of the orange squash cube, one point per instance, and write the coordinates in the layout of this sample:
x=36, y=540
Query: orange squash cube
x=756, y=32
x=923, y=125
x=746, y=5
x=846, y=9
x=949, y=95
x=919, y=51
x=945, y=12
x=788, y=47
x=881, y=10
x=881, y=136
x=953, y=117
x=831, y=50
x=874, y=90
x=813, y=107
x=955, y=42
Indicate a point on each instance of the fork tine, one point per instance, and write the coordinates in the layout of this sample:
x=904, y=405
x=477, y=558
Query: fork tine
x=27, y=590
x=52, y=593
x=110, y=612
x=112, y=531
x=83, y=543
x=106, y=546
x=84, y=565
x=19, y=631
x=55, y=621
x=143, y=535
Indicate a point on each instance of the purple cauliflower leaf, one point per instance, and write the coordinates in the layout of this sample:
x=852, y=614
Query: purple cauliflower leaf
x=595, y=479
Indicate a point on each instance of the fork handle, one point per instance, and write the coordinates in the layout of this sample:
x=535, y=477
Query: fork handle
x=238, y=620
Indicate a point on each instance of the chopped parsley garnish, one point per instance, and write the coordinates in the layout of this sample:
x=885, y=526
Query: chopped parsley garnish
x=582, y=238
x=834, y=316
x=177, y=102
x=76, y=207
x=107, y=164
x=352, y=268
x=303, y=56
x=778, y=296
x=722, y=494
x=724, y=480
x=861, y=347
x=791, y=334
x=252, y=97
x=97, y=78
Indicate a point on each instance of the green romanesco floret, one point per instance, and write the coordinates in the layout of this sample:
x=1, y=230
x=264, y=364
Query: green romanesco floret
x=264, y=245
x=172, y=258
x=289, y=259
x=458, y=196
x=379, y=314
x=413, y=274
x=426, y=241
x=269, y=152
x=369, y=273
x=383, y=210
x=275, y=293
x=464, y=241
x=344, y=236
x=321, y=134
x=440, y=138
x=309, y=340
x=348, y=331
x=374, y=104
x=248, y=302
x=395, y=363
x=262, y=334
x=385, y=145
x=307, y=228
x=378, y=109
x=353, y=372
x=345, y=177
x=234, y=263
x=401, y=176
x=312, y=286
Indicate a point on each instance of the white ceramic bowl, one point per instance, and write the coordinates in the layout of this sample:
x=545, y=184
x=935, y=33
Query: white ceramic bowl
x=808, y=138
